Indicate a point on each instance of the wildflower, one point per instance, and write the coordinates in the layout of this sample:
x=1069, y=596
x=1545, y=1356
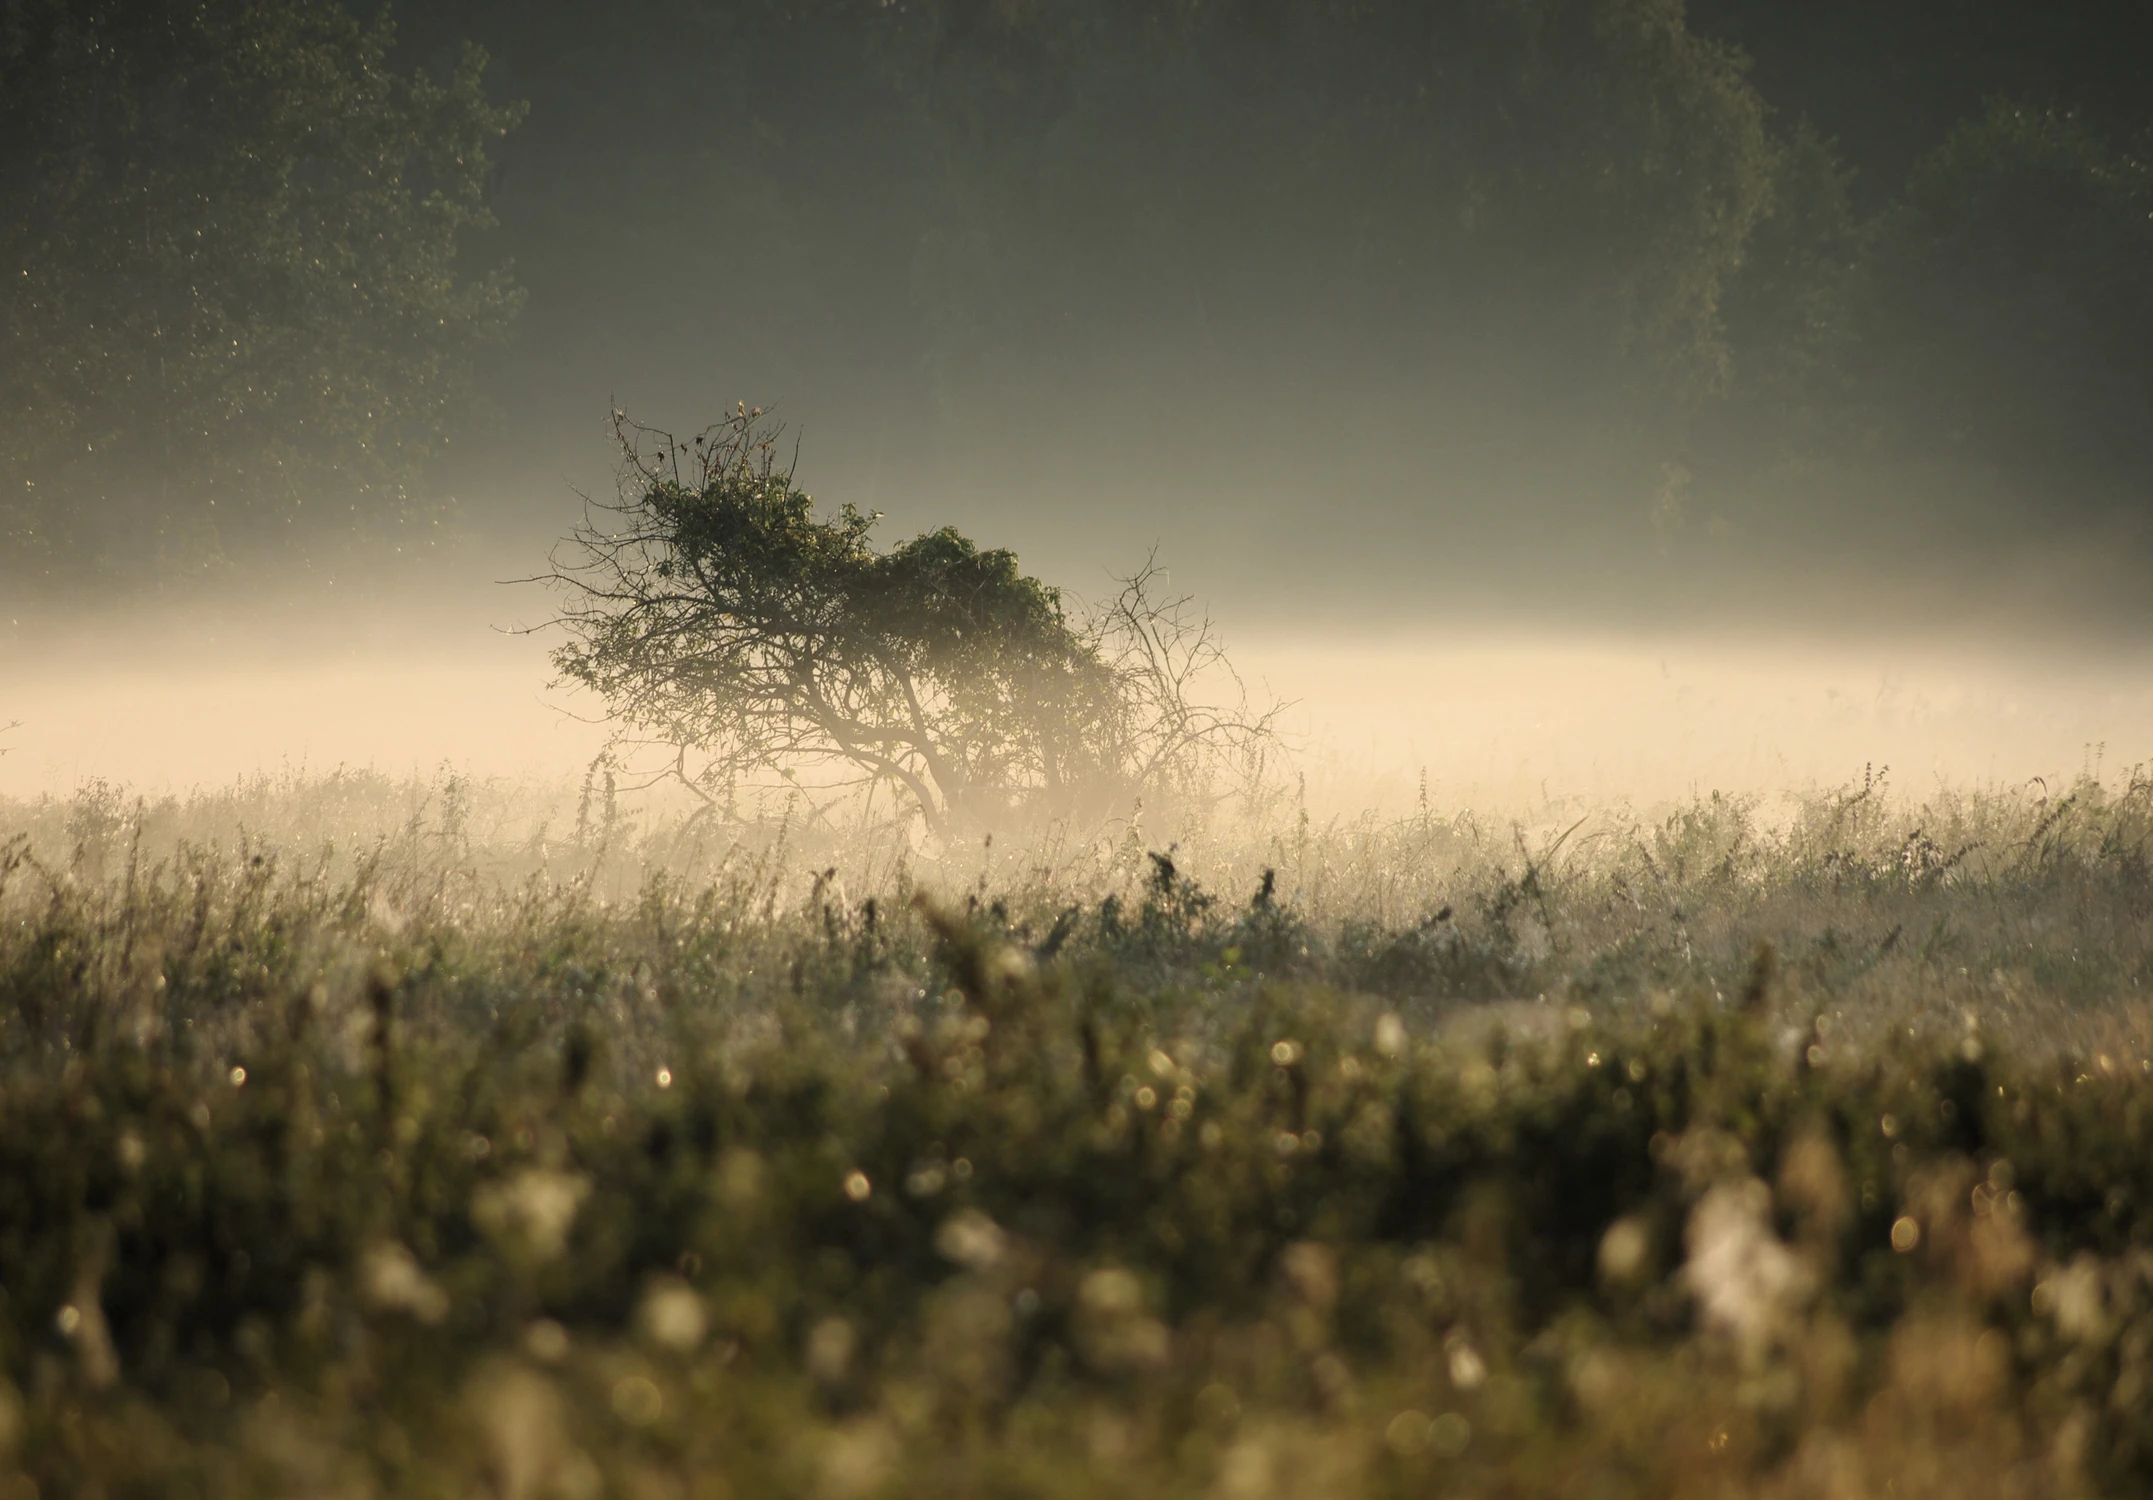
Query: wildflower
x=1746, y=1281
x=391, y=1279
x=1112, y=1331
x=972, y=1240
x=533, y=1209
x=671, y=1315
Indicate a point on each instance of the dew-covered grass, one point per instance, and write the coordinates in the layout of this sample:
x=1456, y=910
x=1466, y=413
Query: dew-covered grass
x=367, y=1138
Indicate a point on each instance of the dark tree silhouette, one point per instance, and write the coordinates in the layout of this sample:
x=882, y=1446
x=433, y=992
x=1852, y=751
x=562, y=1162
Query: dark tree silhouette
x=719, y=618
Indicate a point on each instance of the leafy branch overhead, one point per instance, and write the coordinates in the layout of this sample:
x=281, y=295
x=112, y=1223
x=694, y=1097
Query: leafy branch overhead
x=720, y=618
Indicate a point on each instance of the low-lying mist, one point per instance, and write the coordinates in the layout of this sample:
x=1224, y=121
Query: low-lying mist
x=1499, y=716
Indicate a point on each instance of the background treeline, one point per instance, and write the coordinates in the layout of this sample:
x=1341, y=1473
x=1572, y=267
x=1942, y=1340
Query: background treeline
x=230, y=233
x=1572, y=274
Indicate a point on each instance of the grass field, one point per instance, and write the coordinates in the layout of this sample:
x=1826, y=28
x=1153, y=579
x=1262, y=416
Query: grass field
x=365, y=1138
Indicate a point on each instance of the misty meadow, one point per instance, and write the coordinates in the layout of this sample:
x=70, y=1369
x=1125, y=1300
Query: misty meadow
x=410, y=1141
x=650, y=844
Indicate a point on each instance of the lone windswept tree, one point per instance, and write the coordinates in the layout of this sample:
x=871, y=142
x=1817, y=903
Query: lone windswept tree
x=725, y=624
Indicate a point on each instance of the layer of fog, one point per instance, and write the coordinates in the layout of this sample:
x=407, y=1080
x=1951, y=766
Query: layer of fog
x=1494, y=716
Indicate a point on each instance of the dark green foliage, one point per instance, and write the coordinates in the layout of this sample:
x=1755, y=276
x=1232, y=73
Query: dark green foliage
x=1970, y=357
x=2010, y=311
x=1888, y=80
x=1152, y=220
x=1574, y=177
x=232, y=308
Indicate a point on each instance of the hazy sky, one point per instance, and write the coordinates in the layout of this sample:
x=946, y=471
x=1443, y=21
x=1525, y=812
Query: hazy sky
x=1502, y=719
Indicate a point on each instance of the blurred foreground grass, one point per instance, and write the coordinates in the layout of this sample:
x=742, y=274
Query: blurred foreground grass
x=351, y=1144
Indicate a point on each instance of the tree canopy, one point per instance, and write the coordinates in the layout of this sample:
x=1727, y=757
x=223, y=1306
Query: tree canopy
x=2009, y=314
x=1573, y=176
x=230, y=234
x=1038, y=205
